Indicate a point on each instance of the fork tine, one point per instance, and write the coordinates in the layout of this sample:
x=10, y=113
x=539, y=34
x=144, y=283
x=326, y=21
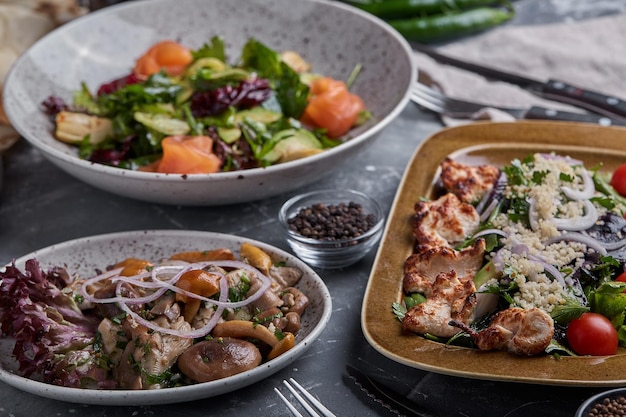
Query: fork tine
x=435, y=97
x=291, y=408
x=325, y=411
x=301, y=400
x=421, y=95
x=438, y=102
x=320, y=407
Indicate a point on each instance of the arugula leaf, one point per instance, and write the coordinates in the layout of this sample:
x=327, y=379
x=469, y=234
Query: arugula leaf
x=539, y=176
x=515, y=173
x=214, y=49
x=399, y=310
x=558, y=349
x=612, y=197
x=567, y=312
x=84, y=99
x=609, y=300
x=621, y=335
x=158, y=88
x=291, y=93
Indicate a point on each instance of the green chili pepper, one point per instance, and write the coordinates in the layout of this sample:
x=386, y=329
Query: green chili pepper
x=402, y=9
x=453, y=24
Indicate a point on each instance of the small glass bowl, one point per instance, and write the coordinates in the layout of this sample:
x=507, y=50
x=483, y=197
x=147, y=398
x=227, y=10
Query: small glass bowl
x=329, y=254
x=612, y=395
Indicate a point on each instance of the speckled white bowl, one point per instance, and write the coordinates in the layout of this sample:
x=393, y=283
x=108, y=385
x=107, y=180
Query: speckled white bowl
x=102, y=46
x=85, y=255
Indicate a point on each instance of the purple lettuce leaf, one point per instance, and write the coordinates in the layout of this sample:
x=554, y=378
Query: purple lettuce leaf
x=53, y=337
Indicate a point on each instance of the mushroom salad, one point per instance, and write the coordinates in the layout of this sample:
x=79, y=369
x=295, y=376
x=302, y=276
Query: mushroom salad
x=194, y=317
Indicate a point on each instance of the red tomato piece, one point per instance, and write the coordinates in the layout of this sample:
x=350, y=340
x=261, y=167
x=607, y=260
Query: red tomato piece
x=592, y=334
x=618, y=180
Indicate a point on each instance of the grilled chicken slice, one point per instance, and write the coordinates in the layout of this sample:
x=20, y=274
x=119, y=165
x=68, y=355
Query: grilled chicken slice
x=446, y=221
x=517, y=330
x=447, y=302
x=468, y=183
x=421, y=269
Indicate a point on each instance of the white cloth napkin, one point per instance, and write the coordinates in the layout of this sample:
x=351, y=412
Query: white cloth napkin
x=589, y=54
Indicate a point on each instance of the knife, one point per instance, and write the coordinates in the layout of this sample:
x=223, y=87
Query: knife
x=552, y=89
x=388, y=398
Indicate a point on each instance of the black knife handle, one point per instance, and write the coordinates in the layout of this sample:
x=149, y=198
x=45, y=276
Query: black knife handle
x=551, y=114
x=593, y=101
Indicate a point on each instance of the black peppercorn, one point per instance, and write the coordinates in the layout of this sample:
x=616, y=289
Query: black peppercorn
x=332, y=222
x=609, y=408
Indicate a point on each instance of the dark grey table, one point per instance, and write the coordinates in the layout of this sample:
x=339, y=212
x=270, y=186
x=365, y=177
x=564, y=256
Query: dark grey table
x=41, y=205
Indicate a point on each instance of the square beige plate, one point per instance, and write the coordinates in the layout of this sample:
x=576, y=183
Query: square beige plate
x=495, y=143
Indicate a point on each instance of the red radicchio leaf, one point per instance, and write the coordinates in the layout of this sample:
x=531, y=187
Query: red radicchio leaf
x=49, y=329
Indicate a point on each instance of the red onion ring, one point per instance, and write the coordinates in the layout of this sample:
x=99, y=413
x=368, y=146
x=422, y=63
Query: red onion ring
x=532, y=214
x=490, y=232
x=581, y=222
x=162, y=286
x=579, y=237
x=586, y=193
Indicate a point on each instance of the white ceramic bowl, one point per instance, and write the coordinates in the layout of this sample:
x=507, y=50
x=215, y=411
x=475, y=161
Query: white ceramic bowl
x=103, y=45
x=85, y=255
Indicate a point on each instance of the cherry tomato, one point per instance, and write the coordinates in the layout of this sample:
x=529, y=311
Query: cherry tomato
x=618, y=180
x=592, y=334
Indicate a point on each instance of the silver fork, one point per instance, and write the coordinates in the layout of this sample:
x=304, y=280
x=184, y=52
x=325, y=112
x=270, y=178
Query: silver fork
x=438, y=102
x=294, y=387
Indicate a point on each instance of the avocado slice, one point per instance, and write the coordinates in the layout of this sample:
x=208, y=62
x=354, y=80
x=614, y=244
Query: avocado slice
x=229, y=134
x=258, y=114
x=162, y=123
x=293, y=144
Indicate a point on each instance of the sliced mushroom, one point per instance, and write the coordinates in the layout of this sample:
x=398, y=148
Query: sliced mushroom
x=198, y=282
x=248, y=330
x=133, y=266
x=287, y=342
x=109, y=291
x=292, y=322
x=294, y=300
x=204, y=256
x=126, y=374
x=256, y=257
x=268, y=300
x=218, y=358
x=268, y=315
x=241, y=329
